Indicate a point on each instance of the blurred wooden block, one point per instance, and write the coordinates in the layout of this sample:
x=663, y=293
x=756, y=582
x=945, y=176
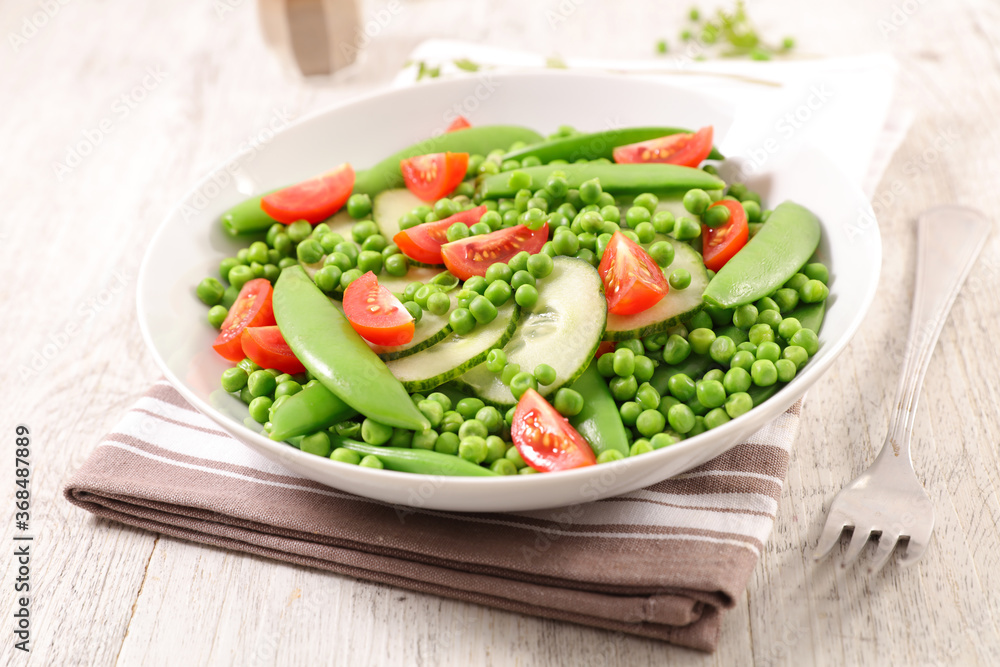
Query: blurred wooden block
x=312, y=37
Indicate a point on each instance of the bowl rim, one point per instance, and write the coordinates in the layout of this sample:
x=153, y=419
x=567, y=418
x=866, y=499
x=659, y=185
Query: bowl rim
x=280, y=450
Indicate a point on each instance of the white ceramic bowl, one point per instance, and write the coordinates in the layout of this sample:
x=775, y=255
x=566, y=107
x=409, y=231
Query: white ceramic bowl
x=190, y=244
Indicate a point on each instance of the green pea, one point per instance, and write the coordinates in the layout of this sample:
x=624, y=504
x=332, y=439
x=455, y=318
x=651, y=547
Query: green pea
x=639, y=447
x=716, y=216
x=806, y=339
x=771, y=318
x=796, y=354
x=544, y=374
x=340, y=260
x=663, y=222
x=442, y=399
x=522, y=278
x=299, y=231
x=448, y=443
x=227, y=265
x=566, y=243
x=503, y=466
x=646, y=200
x=539, y=266
x=680, y=279
x=514, y=457
x=624, y=362
x=261, y=383
x=745, y=316
x=396, y=265
x=676, y=349
x=769, y=350
x=371, y=461
x=217, y=316
x=686, y=229
x=462, y=321
x=287, y=388
x=738, y=403
x=661, y=440
x=483, y=310
x=590, y=191
x=286, y=262
x=491, y=418
x=424, y=439
x=817, y=271
x=496, y=360
x=647, y=397
x=681, y=418
x=260, y=408
x=644, y=368
x=662, y=253
x=812, y=291
x=521, y=382
x=681, y=387
x=414, y=309
x=606, y=365
x=588, y=256
x=609, y=456
x=499, y=271
x=451, y=421
x=701, y=340
x=714, y=374
x=468, y=407
x=568, y=402
x=737, y=379
x=375, y=243
x=432, y=410
x=526, y=296
x=370, y=260
x=234, y=379
x=786, y=369
x=629, y=412
x=239, y=276
x=722, y=350
x=764, y=373
x=624, y=389
x=711, y=393
x=787, y=299
x=715, y=418
x=473, y=427
x=788, y=327
x=797, y=281
x=633, y=344
x=344, y=455
x=508, y=373
x=696, y=201
x=760, y=333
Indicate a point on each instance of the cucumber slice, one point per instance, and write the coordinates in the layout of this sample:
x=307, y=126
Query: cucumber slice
x=389, y=206
x=563, y=331
x=676, y=306
x=430, y=330
x=456, y=354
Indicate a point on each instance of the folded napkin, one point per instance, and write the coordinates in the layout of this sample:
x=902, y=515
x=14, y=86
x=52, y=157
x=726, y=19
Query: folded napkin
x=662, y=562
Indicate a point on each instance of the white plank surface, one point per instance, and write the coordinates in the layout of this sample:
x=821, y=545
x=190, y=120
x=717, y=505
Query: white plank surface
x=105, y=594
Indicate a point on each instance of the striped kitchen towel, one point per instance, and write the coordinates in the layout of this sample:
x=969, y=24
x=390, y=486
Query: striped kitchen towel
x=661, y=562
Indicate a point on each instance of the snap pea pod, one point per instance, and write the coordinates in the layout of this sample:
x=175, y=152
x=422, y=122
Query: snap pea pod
x=313, y=409
x=694, y=367
x=247, y=217
x=599, y=422
x=418, y=461
x=323, y=340
x=768, y=260
x=624, y=179
x=595, y=145
x=482, y=139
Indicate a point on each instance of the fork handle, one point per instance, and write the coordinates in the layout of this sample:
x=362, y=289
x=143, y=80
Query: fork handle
x=949, y=239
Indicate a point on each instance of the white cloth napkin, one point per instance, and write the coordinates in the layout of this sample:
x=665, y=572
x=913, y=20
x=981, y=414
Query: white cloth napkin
x=844, y=106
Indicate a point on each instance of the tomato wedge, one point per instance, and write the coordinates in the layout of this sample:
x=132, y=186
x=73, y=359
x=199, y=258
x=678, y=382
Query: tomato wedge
x=433, y=176
x=545, y=439
x=314, y=200
x=685, y=149
x=459, y=123
x=472, y=256
x=252, y=308
x=721, y=243
x=376, y=314
x=633, y=282
x=267, y=348
x=423, y=242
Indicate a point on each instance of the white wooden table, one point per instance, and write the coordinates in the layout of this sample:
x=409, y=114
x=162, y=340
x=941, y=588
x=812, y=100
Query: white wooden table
x=149, y=95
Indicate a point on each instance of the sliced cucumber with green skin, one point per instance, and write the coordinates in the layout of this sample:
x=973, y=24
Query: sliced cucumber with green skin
x=430, y=330
x=456, y=353
x=677, y=306
x=389, y=206
x=563, y=331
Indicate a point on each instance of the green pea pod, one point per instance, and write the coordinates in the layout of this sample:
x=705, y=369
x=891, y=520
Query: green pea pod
x=596, y=145
x=599, y=422
x=247, y=217
x=623, y=179
x=323, y=340
x=768, y=260
x=418, y=461
x=481, y=140
x=736, y=334
x=694, y=367
x=315, y=408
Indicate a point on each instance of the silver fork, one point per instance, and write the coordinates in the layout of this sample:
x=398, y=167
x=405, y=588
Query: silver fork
x=887, y=500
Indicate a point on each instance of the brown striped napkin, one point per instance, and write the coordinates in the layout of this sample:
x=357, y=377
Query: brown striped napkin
x=662, y=562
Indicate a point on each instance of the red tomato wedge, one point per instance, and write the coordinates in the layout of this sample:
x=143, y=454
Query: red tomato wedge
x=472, y=256
x=433, y=176
x=376, y=314
x=252, y=308
x=314, y=200
x=423, y=242
x=267, y=348
x=633, y=282
x=545, y=439
x=459, y=123
x=684, y=149
x=719, y=244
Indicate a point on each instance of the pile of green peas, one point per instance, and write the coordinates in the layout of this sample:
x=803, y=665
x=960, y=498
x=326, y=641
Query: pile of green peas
x=262, y=389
